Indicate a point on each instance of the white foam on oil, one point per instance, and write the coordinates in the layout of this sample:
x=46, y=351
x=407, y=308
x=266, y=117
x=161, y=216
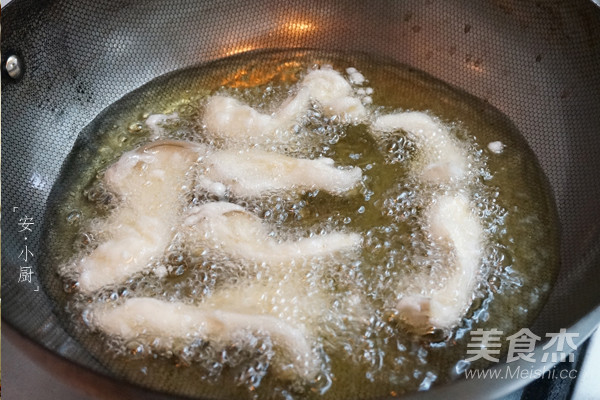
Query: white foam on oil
x=496, y=147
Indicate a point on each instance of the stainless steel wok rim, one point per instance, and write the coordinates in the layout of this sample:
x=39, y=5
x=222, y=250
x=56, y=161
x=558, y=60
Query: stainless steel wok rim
x=585, y=326
x=461, y=387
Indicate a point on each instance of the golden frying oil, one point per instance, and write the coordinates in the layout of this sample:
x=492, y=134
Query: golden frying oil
x=376, y=357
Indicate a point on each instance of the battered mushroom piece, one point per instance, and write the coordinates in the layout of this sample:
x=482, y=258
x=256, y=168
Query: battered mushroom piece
x=226, y=117
x=148, y=182
x=442, y=159
x=153, y=318
x=454, y=227
x=235, y=231
x=252, y=173
x=450, y=222
x=328, y=88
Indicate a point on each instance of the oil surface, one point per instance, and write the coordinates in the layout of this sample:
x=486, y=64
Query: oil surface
x=365, y=351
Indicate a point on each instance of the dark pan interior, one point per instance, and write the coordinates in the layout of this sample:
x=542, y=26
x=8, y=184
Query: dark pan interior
x=537, y=62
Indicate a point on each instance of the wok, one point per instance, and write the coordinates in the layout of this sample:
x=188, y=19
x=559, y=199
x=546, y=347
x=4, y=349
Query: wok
x=537, y=62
